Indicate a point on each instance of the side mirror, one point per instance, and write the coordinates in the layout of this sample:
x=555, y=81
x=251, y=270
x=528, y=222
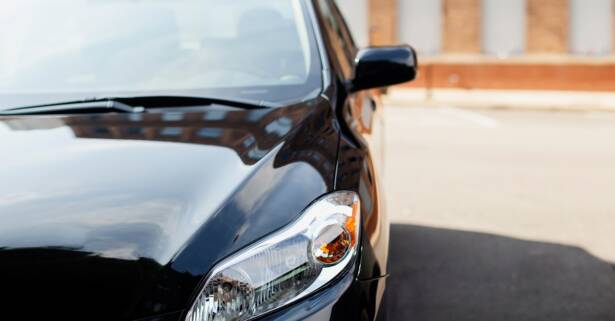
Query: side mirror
x=384, y=66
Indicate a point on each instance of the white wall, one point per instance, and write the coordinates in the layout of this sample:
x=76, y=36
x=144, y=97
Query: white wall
x=503, y=27
x=591, y=27
x=356, y=14
x=420, y=25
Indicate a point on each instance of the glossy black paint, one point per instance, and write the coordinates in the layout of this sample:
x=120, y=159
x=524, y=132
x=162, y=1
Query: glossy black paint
x=384, y=66
x=121, y=216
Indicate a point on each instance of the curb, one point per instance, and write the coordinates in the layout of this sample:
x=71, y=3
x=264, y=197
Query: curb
x=507, y=100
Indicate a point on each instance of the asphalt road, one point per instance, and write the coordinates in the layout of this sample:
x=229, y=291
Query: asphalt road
x=501, y=215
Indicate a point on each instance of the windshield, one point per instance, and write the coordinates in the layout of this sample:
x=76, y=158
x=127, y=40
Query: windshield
x=260, y=49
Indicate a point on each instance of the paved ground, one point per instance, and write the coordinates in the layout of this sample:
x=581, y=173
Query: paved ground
x=501, y=215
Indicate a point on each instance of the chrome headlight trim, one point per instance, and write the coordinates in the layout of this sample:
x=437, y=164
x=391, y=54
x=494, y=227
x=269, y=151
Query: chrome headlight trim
x=281, y=268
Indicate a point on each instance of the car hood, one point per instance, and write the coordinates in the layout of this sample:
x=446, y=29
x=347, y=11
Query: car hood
x=122, y=215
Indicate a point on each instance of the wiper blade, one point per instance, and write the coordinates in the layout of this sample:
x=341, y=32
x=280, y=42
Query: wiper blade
x=134, y=104
x=92, y=106
x=161, y=101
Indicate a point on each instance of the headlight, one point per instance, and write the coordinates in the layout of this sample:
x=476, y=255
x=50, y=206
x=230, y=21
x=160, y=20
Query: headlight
x=285, y=266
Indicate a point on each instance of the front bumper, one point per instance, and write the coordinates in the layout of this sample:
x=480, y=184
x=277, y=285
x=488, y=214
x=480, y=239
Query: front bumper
x=346, y=299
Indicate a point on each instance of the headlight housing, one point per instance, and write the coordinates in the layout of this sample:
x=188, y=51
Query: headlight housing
x=283, y=267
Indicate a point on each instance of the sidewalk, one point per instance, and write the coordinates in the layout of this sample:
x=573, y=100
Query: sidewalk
x=504, y=99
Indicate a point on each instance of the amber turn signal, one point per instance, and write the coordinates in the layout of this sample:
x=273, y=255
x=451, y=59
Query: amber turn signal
x=331, y=244
x=335, y=239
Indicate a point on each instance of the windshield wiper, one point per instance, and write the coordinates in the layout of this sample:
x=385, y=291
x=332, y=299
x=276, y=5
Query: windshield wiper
x=136, y=104
x=94, y=106
x=189, y=101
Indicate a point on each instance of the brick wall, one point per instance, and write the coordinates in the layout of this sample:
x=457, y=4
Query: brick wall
x=461, y=26
x=547, y=31
x=383, y=22
x=547, y=26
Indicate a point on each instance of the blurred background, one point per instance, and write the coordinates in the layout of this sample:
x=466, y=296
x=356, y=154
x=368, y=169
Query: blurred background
x=471, y=44
x=500, y=164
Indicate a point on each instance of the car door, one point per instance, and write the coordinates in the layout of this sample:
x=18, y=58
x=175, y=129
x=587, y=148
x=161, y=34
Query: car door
x=366, y=106
x=362, y=113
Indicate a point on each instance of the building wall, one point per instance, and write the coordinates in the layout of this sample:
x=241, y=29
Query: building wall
x=383, y=26
x=502, y=44
x=547, y=26
x=461, y=26
x=591, y=25
x=420, y=23
x=506, y=18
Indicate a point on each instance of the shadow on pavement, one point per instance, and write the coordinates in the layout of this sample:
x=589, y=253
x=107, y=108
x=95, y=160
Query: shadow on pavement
x=439, y=274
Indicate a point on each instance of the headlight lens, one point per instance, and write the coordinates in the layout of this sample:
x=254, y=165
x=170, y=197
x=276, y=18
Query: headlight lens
x=286, y=266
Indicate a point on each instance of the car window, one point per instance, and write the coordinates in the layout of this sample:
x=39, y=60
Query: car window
x=339, y=36
x=140, y=46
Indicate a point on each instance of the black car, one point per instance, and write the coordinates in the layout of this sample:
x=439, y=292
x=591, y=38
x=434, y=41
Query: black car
x=197, y=160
